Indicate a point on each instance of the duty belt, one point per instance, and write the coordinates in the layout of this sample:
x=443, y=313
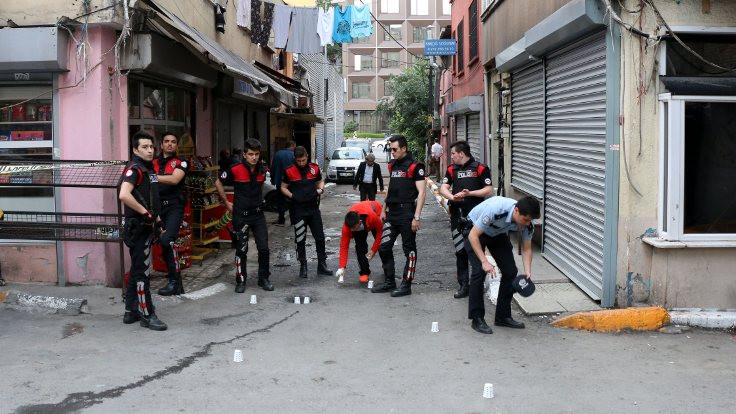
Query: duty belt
x=168, y=202
x=248, y=212
x=400, y=205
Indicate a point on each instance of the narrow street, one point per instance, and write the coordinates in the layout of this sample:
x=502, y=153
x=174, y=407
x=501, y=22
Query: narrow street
x=348, y=350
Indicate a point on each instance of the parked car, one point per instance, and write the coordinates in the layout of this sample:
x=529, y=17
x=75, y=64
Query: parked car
x=363, y=143
x=344, y=163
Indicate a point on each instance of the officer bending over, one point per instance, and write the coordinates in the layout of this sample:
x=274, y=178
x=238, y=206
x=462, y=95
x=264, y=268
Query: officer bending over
x=247, y=178
x=302, y=184
x=466, y=184
x=491, y=222
x=171, y=171
x=401, y=214
x=361, y=219
x=139, y=194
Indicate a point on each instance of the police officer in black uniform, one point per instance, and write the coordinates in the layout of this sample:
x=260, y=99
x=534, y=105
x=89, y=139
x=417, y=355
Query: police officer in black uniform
x=466, y=184
x=139, y=194
x=401, y=213
x=171, y=171
x=302, y=184
x=247, y=178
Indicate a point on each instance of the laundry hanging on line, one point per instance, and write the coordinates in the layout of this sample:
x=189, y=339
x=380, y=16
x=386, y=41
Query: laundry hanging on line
x=281, y=24
x=303, y=37
x=261, y=30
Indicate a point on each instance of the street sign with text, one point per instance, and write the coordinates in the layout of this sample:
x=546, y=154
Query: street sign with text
x=440, y=47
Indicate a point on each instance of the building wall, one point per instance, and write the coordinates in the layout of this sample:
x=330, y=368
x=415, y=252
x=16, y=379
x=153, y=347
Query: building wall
x=669, y=277
x=470, y=81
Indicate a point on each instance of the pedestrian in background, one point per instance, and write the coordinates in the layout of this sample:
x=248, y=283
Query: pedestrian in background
x=434, y=162
x=282, y=159
x=365, y=179
x=139, y=194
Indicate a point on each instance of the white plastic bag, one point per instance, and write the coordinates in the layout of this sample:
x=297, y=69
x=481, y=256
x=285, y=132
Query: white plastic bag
x=491, y=284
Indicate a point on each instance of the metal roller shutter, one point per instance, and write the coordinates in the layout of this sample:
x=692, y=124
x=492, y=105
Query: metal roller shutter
x=473, y=126
x=527, y=130
x=460, y=128
x=575, y=164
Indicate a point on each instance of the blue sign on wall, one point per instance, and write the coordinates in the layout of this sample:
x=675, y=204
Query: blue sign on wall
x=440, y=47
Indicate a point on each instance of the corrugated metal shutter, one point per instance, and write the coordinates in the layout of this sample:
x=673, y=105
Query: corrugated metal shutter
x=575, y=162
x=460, y=128
x=473, y=126
x=527, y=130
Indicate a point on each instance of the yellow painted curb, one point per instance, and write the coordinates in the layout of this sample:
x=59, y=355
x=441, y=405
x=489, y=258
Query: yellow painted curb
x=638, y=319
x=3, y=295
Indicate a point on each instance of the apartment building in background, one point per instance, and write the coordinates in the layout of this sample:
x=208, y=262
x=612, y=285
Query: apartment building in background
x=369, y=63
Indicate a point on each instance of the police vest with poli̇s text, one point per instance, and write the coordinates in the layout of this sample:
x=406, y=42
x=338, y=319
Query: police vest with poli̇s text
x=145, y=186
x=247, y=185
x=404, y=174
x=470, y=176
x=166, y=166
x=302, y=183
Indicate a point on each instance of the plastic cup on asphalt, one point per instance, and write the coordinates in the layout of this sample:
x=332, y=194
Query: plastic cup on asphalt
x=297, y=300
x=306, y=300
x=253, y=299
x=435, y=326
x=488, y=390
x=370, y=284
x=238, y=356
x=288, y=256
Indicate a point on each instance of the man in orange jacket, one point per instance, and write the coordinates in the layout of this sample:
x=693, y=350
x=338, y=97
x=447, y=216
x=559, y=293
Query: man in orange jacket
x=361, y=218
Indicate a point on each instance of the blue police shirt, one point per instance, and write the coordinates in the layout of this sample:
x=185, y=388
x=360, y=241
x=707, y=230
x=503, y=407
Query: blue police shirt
x=493, y=217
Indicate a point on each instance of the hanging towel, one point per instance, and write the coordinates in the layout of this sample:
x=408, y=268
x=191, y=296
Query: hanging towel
x=281, y=23
x=361, y=25
x=341, y=34
x=326, y=25
x=303, y=37
x=260, y=30
x=242, y=14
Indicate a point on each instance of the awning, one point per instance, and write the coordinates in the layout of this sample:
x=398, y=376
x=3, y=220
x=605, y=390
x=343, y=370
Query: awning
x=291, y=84
x=214, y=52
x=299, y=117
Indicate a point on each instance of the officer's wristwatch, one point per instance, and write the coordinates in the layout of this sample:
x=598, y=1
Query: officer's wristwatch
x=417, y=218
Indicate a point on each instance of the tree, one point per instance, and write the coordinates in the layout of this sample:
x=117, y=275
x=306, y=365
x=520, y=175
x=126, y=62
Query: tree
x=350, y=127
x=408, y=106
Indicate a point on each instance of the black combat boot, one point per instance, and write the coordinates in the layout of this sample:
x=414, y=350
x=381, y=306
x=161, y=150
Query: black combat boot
x=387, y=286
x=239, y=284
x=303, y=270
x=153, y=322
x=174, y=287
x=462, y=292
x=265, y=284
x=322, y=269
x=131, y=317
x=480, y=325
x=403, y=290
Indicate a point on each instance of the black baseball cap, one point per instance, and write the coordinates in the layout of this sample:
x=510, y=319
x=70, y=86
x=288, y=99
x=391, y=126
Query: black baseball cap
x=523, y=286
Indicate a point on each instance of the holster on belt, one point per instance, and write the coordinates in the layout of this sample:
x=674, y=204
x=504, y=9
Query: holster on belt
x=132, y=230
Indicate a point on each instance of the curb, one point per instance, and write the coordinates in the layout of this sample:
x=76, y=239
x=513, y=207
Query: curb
x=613, y=320
x=44, y=304
x=704, y=318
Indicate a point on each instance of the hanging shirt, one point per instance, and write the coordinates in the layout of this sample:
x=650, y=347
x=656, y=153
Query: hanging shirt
x=242, y=14
x=303, y=37
x=325, y=25
x=281, y=23
x=261, y=30
x=361, y=25
x=341, y=33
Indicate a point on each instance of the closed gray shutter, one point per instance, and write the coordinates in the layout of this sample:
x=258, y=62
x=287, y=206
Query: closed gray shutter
x=460, y=127
x=473, y=126
x=575, y=162
x=527, y=130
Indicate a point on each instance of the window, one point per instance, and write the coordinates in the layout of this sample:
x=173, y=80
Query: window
x=459, y=57
x=698, y=173
x=390, y=60
x=361, y=90
x=157, y=108
x=389, y=6
x=421, y=34
x=420, y=7
x=363, y=62
x=387, y=88
x=473, y=30
x=446, y=8
x=394, y=30
x=368, y=39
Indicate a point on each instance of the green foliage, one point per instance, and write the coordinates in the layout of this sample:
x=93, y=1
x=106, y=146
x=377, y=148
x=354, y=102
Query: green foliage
x=350, y=127
x=334, y=53
x=364, y=135
x=408, y=107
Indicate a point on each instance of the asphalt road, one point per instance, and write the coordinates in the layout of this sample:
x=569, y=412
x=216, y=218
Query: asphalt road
x=350, y=350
